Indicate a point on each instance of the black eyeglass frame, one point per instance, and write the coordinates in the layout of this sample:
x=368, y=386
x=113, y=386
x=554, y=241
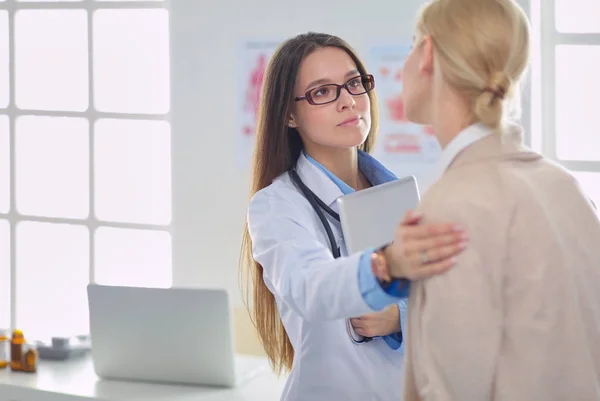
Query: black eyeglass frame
x=307, y=96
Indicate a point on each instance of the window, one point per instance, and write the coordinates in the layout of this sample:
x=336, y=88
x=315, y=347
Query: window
x=566, y=127
x=85, y=156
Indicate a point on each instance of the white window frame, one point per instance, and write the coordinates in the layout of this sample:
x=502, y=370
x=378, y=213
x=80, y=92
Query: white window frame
x=92, y=115
x=550, y=37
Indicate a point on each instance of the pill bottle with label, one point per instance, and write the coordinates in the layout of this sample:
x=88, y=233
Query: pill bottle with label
x=4, y=349
x=30, y=358
x=16, y=350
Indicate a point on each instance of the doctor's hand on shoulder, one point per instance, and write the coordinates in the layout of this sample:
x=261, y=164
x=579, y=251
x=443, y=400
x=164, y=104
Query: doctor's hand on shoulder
x=419, y=250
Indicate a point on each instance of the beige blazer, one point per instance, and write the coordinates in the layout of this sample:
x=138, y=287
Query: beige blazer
x=518, y=318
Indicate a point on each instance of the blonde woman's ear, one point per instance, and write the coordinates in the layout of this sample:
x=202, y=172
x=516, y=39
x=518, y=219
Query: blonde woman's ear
x=427, y=55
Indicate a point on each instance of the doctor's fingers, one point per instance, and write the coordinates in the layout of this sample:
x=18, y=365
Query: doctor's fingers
x=431, y=269
x=434, y=242
x=365, y=331
x=363, y=328
x=411, y=217
x=368, y=319
x=437, y=254
x=406, y=232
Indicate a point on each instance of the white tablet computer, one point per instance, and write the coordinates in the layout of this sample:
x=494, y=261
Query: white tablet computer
x=370, y=217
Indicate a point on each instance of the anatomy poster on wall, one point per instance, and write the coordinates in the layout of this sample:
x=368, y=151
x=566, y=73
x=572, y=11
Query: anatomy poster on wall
x=253, y=57
x=404, y=147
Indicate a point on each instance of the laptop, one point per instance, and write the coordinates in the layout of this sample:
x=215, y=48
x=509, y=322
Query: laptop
x=370, y=217
x=166, y=335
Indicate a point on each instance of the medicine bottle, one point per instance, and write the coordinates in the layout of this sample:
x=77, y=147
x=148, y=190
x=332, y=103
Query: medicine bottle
x=4, y=349
x=16, y=350
x=30, y=358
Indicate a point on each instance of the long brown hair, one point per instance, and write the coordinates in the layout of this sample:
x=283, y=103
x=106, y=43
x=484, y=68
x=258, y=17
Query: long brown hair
x=276, y=151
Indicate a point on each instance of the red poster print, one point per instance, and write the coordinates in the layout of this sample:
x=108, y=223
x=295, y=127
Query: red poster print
x=255, y=80
x=401, y=143
x=253, y=58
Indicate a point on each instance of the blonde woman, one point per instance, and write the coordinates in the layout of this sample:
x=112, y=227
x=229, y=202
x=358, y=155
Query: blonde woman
x=518, y=317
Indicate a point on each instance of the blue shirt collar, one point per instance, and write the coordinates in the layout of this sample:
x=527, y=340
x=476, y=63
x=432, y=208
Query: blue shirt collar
x=373, y=170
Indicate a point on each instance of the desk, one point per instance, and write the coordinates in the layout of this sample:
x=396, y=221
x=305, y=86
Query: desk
x=76, y=381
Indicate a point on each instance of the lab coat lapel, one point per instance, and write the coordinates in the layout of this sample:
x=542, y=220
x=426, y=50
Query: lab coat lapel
x=318, y=182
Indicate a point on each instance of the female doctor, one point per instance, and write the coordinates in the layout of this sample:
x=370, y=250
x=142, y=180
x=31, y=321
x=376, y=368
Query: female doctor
x=320, y=313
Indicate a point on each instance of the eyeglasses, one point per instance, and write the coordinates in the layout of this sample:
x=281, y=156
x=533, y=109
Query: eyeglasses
x=331, y=92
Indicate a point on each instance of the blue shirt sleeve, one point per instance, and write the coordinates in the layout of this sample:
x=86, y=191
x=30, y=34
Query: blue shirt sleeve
x=395, y=340
x=378, y=297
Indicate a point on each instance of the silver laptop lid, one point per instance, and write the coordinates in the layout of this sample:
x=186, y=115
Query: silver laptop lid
x=175, y=335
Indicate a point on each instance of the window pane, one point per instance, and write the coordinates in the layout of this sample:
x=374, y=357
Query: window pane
x=52, y=274
x=577, y=16
x=137, y=258
x=51, y=60
x=4, y=274
x=4, y=80
x=131, y=61
x=133, y=171
x=590, y=182
x=52, y=166
x=4, y=165
x=577, y=124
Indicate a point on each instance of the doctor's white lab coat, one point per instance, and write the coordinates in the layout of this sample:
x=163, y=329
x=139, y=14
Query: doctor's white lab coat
x=316, y=293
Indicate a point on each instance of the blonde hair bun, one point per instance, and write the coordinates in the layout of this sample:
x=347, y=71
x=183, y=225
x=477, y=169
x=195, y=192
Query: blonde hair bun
x=481, y=48
x=489, y=105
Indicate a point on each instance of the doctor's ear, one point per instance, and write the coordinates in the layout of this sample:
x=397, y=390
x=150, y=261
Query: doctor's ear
x=292, y=122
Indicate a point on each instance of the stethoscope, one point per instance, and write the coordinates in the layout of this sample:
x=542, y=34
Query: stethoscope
x=318, y=205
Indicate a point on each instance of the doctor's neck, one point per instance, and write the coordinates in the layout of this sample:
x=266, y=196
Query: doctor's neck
x=341, y=162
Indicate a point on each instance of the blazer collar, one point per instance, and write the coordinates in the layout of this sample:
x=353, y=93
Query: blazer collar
x=463, y=140
x=507, y=145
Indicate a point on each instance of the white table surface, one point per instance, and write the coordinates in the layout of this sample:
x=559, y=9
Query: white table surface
x=76, y=381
